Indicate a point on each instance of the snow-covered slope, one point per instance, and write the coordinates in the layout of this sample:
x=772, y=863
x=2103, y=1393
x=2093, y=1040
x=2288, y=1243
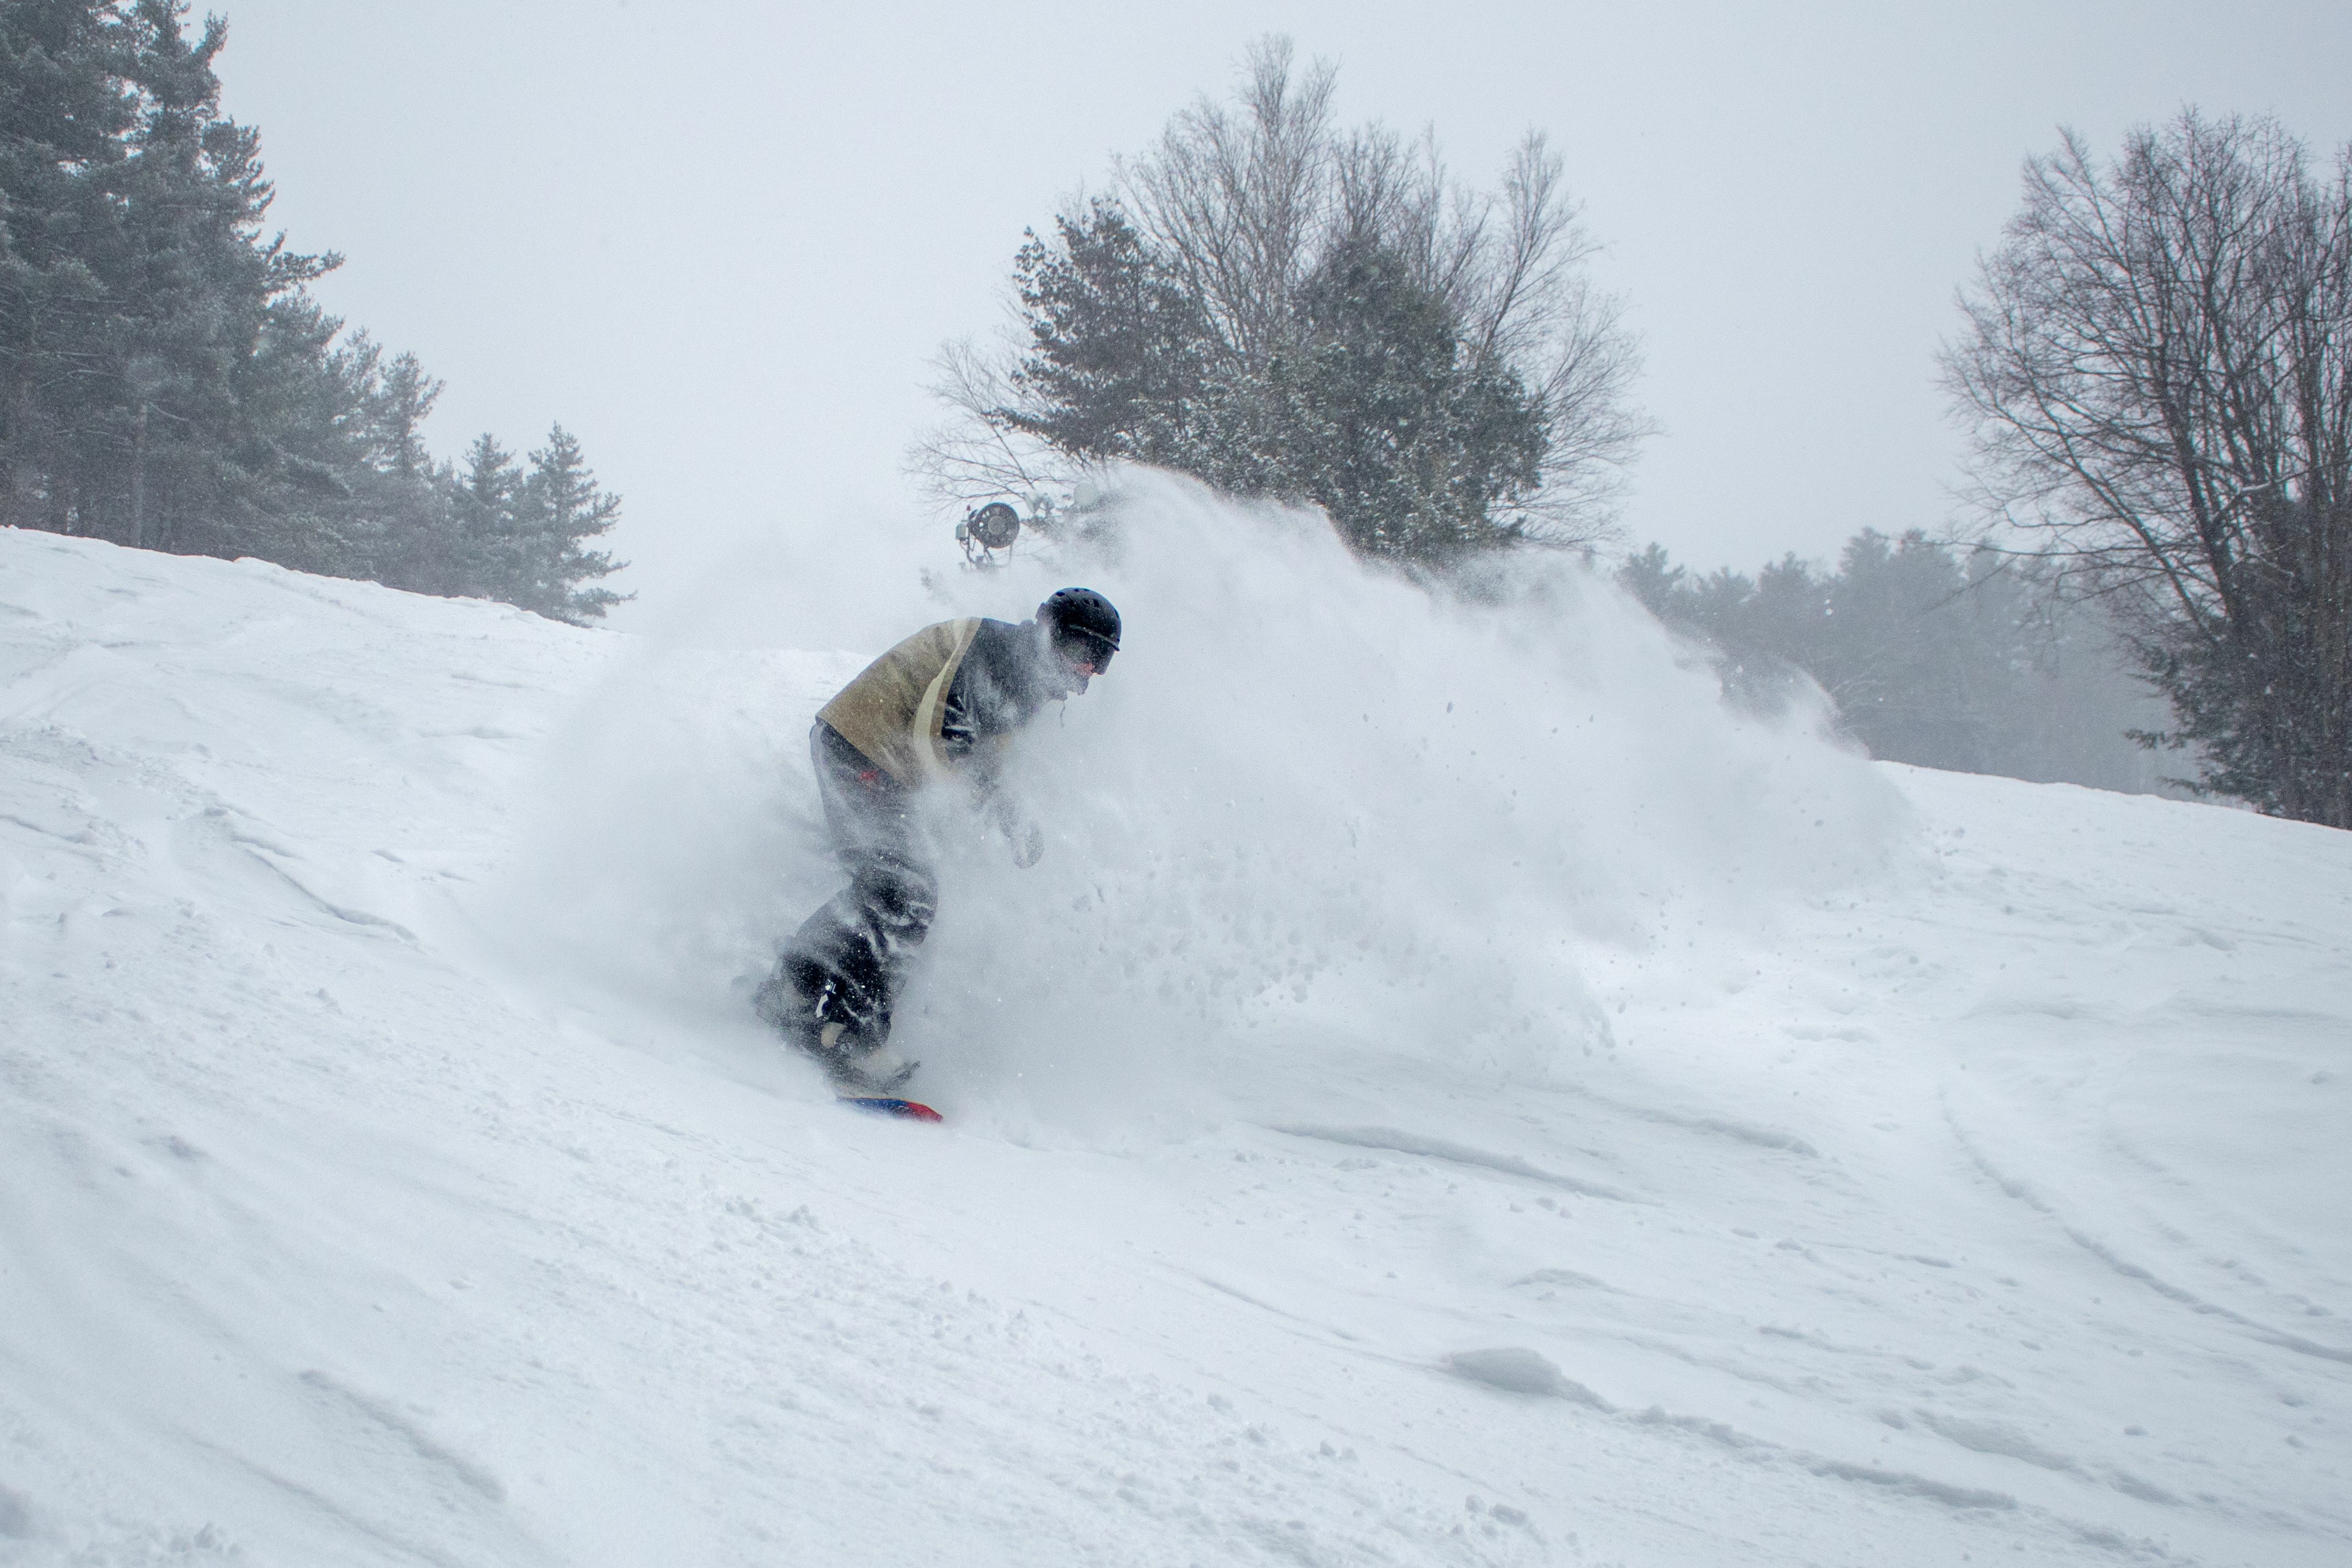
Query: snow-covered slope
x=1451, y=1095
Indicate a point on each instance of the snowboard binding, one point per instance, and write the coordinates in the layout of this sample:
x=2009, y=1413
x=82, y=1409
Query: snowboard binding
x=853, y=1063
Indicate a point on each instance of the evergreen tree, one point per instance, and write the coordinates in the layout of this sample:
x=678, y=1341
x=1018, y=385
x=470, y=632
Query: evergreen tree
x=488, y=487
x=65, y=111
x=1971, y=663
x=1419, y=449
x=1651, y=576
x=219, y=354
x=396, y=408
x=1118, y=350
x=1905, y=652
x=558, y=508
x=405, y=517
x=1790, y=615
x=166, y=381
x=1369, y=403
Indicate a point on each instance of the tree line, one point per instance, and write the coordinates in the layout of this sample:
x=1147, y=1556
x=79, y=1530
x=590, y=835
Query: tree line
x=2155, y=365
x=166, y=380
x=1966, y=660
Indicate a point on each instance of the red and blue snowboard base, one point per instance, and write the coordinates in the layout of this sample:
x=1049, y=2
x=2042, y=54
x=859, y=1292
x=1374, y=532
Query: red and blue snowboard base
x=891, y=1105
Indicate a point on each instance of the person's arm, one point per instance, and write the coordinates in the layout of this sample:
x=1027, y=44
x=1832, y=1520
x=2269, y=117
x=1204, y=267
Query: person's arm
x=1021, y=830
x=983, y=707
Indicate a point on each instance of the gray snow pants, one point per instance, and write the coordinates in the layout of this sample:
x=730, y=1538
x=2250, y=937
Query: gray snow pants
x=844, y=965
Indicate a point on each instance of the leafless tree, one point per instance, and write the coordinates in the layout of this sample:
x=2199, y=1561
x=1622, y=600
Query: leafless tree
x=2158, y=370
x=973, y=455
x=1239, y=198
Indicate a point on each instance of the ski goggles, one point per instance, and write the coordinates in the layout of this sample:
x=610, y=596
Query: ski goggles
x=1079, y=645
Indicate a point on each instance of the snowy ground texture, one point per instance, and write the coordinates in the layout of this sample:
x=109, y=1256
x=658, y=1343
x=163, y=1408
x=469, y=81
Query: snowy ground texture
x=1451, y=1095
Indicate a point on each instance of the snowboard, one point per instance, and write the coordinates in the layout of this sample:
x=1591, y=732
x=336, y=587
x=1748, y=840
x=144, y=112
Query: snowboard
x=890, y=1105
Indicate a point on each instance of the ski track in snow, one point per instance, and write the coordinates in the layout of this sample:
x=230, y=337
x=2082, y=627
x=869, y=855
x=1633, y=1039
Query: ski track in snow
x=1990, y=1209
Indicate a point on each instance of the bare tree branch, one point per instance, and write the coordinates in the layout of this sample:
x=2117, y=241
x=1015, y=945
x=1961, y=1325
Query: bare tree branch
x=2158, y=371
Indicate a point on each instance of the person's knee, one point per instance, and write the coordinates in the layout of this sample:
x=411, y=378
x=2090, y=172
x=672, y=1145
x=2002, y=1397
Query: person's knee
x=899, y=895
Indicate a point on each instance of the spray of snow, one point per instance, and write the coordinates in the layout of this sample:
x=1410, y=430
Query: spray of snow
x=1314, y=809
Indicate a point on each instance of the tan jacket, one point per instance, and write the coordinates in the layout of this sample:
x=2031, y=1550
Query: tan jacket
x=891, y=712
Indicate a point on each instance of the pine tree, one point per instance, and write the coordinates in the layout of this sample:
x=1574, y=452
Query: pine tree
x=1907, y=662
x=400, y=402
x=406, y=514
x=1418, y=448
x=1368, y=402
x=488, y=487
x=166, y=381
x=65, y=110
x=558, y=508
x=1651, y=576
x=1118, y=349
x=1974, y=663
x=221, y=358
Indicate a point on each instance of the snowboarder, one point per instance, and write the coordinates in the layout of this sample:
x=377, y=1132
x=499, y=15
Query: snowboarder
x=941, y=705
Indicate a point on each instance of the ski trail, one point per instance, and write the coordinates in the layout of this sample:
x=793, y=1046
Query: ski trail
x=1299, y=1207
x=2026, y=1194
x=1399, y=1143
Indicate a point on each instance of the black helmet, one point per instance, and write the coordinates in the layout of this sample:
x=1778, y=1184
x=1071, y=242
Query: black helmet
x=1082, y=625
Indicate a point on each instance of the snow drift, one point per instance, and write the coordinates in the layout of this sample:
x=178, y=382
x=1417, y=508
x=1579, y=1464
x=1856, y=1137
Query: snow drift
x=1566, y=1125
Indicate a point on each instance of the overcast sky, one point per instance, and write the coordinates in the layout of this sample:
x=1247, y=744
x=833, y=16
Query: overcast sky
x=719, y=242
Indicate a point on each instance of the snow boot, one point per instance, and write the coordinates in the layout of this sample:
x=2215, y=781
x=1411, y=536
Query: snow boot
x=807, y=1008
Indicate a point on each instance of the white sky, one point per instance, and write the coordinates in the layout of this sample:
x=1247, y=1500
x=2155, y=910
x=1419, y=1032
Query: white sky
x=721, y=242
